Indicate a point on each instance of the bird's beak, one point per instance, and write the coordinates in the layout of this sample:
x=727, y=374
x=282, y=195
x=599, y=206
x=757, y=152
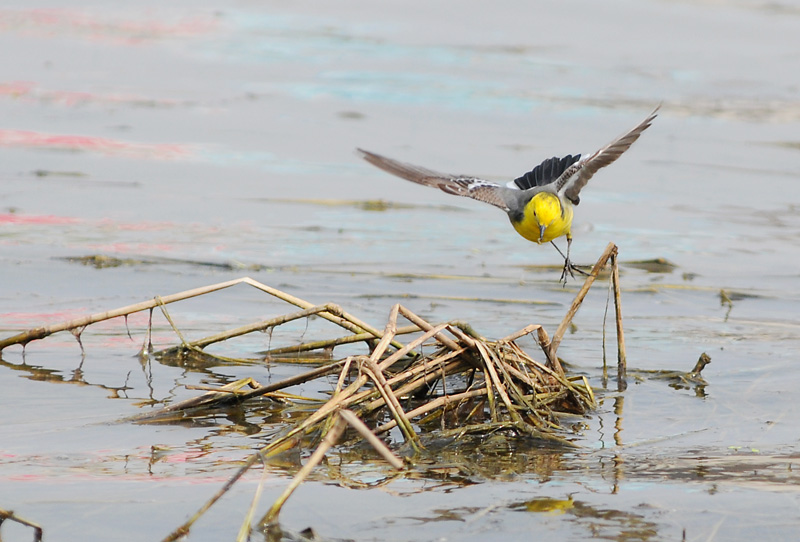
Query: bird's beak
x=542, y=227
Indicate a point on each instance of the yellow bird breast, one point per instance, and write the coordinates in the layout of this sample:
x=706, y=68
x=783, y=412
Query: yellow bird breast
x=544, y=209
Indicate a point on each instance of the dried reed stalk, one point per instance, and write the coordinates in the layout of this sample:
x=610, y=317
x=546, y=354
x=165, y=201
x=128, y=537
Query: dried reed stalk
x=519, y=393
x=342, y=319
x=9, y=515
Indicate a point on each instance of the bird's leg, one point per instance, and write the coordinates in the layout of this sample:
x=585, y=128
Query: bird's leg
x=569, y=267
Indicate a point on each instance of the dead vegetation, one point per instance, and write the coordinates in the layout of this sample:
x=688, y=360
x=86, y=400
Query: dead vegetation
x=417, y=380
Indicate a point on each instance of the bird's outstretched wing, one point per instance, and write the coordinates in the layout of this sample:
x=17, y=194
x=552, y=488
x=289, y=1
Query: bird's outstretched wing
x=575, y=177
x=458, y=185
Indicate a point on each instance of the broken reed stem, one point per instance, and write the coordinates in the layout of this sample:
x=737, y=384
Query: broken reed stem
x=247, y=523
x=344, y=319
x=342, y=376
x=331, y=437
x=183, y=530
x=422, y=324
x=442, y=401
x=549, y=353
x=393, y=404
x=521, y=333
x=330, y=308
x=336, y=431
x=388, y=335
x=215, y=397
x=622, y=363
x=329, y=343
x=365, y=432
x=493, y=378
x=412, y=386
x=576, y=303
x=165, y=312
x=11, y=516
x=348, y=396
x=42, y=332
x=507, y=370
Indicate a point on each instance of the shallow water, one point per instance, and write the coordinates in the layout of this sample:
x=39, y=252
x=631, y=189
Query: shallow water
x=201, y=145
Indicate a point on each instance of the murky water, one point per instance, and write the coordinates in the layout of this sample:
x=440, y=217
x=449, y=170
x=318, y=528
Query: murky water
x=201, y=145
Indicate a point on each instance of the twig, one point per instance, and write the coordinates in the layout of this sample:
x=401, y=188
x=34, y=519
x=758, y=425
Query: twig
x=11, y=516
x=356, y=423
x=348, y=396
x=330, y=308
x=442, y=401
x=391, y=401
x=345, y=320
x=549, y=351
x=244, y=530
x=217, y=397
x=331, y=437
x=330, y=343
x=521, y=333
x=422, y=324
x=576, y=303
x=42, y=332
x=488, y=359
x=622, y=364
x=412, y=386
x=183, y=530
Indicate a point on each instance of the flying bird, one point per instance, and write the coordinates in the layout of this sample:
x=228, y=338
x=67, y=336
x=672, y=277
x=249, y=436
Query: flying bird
x=540, y=203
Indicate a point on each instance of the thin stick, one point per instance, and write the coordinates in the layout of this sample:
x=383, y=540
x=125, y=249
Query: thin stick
x=433, y=331
x=331, y=437
x=576, y=303
x=512, y=386
x=244, y=530
x=410, y=387
x=549, y=351
x=342, y=375
x=330, y=308
x=356, y=423
x=388, y=335
x=622, y=364
x=183, y=530
x=488, y=359
x=348, y=396
x=433, y=405
x=174, y=327
x=207, y=398
x=394, y=405
x=389, y=399
x=42, y=332
x=330, y=343
x=605, y=320
x=10, y=515
x=345, y=320
x=521, y=333
x=422, y=324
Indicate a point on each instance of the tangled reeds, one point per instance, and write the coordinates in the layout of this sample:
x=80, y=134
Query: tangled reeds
x=445, y=381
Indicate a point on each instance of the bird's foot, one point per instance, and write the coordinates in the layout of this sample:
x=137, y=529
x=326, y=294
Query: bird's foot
x=569, y=267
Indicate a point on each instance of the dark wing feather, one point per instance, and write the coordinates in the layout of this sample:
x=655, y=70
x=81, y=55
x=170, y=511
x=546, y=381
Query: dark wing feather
x=545, y=173
x=574, y=178
x=458, y=185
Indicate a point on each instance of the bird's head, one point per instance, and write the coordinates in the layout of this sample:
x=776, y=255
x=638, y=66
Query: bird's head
x=546, y=209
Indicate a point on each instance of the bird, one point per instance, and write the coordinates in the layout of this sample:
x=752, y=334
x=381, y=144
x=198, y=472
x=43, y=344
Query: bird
x=540, y=204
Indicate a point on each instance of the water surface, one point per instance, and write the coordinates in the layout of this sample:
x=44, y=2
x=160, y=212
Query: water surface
x=204, y=144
